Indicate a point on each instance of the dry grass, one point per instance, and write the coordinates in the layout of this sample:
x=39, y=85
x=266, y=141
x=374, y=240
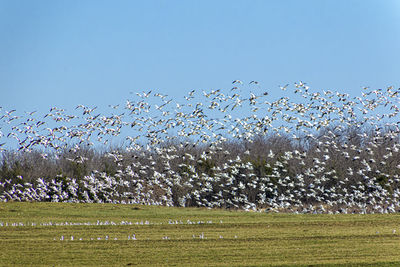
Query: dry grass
x=230, y=238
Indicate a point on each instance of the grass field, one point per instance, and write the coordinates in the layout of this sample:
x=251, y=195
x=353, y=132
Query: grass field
x=33, y=234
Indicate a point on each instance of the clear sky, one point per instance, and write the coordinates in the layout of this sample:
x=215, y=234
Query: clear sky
x=65, y=53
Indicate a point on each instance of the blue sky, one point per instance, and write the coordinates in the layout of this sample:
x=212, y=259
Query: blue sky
x=65, y=53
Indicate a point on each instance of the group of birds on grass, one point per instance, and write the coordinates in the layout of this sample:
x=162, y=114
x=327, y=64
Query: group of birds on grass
x=106, y=223
x=103, y=223
x=130, y=237
x=322, y=152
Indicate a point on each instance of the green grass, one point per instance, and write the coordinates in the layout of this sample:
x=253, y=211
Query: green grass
x=249, y=239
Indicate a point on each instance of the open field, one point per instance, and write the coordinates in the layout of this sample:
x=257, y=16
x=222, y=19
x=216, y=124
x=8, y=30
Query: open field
x=121, y=235
x=310, y=153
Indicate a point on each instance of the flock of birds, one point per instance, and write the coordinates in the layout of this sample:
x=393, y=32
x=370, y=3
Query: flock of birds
x=104, y=224
x=321, y=152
